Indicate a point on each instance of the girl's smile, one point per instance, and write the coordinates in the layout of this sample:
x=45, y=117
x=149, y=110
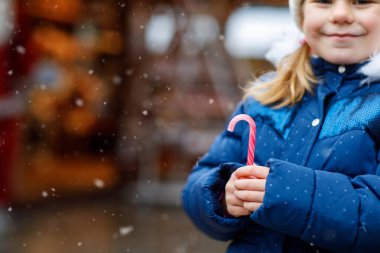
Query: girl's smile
x=342, y=31
x=343, y=39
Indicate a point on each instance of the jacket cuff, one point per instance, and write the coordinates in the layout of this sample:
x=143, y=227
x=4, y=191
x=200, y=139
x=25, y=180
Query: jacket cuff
x=215, y=190
x=289, y=193
x=208, y=213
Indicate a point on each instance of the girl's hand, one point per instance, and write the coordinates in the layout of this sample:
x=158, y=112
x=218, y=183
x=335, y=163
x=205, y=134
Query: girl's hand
x=233, y=205
x=250, y=184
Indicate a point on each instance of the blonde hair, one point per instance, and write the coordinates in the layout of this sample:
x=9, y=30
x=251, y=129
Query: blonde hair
x=294, y=77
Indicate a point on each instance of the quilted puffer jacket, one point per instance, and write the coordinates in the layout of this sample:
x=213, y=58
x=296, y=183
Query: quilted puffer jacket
x=323, y=188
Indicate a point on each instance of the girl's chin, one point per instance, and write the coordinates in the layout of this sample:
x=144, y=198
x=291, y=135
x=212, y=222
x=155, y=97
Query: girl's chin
x=345, y=59
x=342, y=56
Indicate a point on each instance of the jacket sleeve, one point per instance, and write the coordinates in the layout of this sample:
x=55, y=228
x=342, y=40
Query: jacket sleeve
x=203, y=192
x=329, y=210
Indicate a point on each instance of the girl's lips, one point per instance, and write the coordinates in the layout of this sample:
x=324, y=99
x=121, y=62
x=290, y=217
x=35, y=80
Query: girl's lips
x=342, y=36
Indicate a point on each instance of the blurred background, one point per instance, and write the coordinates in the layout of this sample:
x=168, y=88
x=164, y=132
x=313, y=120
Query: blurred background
x=105, y=106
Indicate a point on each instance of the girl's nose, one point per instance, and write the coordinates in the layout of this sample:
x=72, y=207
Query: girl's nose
x=342, y=12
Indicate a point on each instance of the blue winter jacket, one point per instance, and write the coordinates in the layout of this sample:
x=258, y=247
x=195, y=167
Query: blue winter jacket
x=323, y=188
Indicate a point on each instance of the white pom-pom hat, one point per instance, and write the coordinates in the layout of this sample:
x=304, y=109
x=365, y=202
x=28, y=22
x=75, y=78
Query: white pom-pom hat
x=296, y=11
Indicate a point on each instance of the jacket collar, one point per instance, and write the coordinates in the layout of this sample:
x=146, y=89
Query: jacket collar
x=367, y=71
x=332, y=77
x=321, y=67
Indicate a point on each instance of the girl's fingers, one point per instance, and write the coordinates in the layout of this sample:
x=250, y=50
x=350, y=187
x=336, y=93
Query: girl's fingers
x=230, y=187
x=252, y=206
x=250, y=184
x=238, y=211
x=252, y=171
x=250, y=196
x=232, y=200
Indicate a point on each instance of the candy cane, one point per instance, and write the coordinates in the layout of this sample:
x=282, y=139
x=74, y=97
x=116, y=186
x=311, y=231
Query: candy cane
x=252, y=134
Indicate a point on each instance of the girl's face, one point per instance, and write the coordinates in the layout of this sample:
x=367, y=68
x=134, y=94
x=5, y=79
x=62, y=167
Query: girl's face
x=342, y=31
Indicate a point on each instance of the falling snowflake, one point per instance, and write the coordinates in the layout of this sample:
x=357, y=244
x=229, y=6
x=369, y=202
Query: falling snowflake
x=44, y=194
x=20, y=49
x=129, y=72
x=123, y=231
x=79, y=102
x=117, y=80
x=99, y=183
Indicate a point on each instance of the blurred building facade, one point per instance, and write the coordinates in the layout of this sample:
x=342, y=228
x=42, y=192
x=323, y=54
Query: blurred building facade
x=115, y=91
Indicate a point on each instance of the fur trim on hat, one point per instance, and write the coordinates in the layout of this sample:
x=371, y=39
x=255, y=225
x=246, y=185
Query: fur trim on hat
x=290, y=40
x=289, y=43
x=296, y=11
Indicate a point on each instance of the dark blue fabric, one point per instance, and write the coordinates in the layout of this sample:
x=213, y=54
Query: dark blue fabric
x=323, y=188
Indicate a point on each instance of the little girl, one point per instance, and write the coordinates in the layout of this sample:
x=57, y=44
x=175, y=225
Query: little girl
x=315, y=185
